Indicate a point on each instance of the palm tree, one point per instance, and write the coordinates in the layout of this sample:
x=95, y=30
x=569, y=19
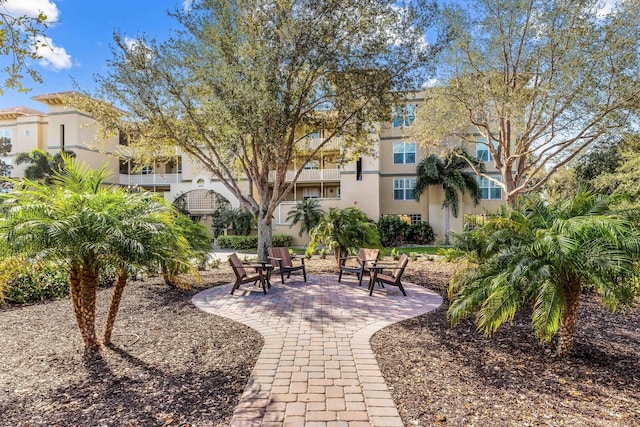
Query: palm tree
x=543, y=256
x=85, y=225
x=453, y=174
x=344, y=231
x=308, y=213
x=40, y=164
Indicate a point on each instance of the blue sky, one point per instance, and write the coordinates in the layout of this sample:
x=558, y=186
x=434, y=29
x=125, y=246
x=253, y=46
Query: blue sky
x=81, y=35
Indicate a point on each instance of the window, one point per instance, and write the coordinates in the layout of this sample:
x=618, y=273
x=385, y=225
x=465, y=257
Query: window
x=26, y=132
x=147, y=170
x=404, y=152
x=404, y=116
x=62, y=137
x=310, y=193
x=490, y=190
x=403, y=189
x=5, y=133
x=312, y=164
x=482, y=150
x=315, y=135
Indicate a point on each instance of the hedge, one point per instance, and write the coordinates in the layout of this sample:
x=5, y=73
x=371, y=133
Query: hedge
x=251, y=242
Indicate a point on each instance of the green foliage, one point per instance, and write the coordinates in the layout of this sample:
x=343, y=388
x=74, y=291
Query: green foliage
x=85, y=226
x=395, y=254
x=544, y=256
x=197, y=235
x=453, y=173
x=251, y=242
x=344, y=231
x=5, y=149
x=40, y=164
x=38, y=282
x=413, y=256
x=323, y=253
x=393, y=230
x=422, y=233
x=306, y=212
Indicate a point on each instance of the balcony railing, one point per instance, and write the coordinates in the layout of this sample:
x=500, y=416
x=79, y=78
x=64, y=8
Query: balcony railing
x=151, y=179
x=310, y=175
x=334, y=143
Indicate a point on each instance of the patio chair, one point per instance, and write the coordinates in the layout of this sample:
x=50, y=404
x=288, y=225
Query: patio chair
x=393, y=279
x=283, y=262
x=366, y=258
x=242, y=276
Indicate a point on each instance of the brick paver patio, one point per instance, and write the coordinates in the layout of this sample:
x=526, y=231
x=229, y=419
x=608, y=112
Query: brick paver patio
x=316, y=367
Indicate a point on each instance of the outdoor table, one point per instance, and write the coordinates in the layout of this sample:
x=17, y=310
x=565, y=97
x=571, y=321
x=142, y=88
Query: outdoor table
x=266, y=268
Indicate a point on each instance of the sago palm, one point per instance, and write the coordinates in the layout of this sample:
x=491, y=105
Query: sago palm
x=543, y=256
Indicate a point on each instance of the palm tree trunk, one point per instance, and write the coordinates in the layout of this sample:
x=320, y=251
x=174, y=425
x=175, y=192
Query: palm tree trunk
x=74, y=293
x=447, y=225
x=88, y=288
x=568, y=319
x=116, y=297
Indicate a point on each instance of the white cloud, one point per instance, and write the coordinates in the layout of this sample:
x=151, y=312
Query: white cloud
x=52, y=56
x=186, y=5
x=430, y=83
x=32, y=8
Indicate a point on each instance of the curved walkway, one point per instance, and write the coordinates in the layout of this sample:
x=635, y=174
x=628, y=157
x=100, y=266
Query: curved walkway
x=316, y=367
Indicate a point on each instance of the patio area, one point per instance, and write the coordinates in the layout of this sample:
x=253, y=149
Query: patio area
x=316, y=367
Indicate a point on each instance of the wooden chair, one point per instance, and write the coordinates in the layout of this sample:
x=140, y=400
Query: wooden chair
x=393, y=279
x=366, y=258
x=283, y=262
x=242, y=276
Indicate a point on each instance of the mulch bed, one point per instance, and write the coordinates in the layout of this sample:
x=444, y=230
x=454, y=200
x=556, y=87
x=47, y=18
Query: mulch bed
x=172, y=364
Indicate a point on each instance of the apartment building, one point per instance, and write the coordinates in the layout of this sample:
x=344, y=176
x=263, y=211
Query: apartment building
x=379, y=185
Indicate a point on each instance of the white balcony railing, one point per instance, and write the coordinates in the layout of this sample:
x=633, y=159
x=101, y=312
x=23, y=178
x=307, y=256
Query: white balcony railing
x=310, y=175
x=333, y=144
x=151, y=179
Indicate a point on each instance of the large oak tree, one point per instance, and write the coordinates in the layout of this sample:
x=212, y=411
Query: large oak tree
x=537, y=81
x=244, y=83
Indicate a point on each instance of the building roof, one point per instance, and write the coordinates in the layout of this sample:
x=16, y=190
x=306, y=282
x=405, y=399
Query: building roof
x=55, y=98
x=12, y=113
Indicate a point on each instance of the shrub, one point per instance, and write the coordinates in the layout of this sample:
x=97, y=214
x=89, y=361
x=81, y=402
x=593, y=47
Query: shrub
x=393, y=230
x=39, y=282
x=413, y=256
x=324, y=252
x=422, y=233
x=251, y=242
x=395, y=254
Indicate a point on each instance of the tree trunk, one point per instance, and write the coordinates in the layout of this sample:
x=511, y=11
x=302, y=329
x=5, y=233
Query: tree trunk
x=116, y=297
x=568, y=319
x=88, y=288
x=447, y=225
x=264, y=235
x=76, y=297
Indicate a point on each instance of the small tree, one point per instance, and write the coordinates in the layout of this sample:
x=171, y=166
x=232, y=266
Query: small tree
x=393, y=230
x=543, y=256
x=85, y=226
x=454, y=175
x=308, y=213
x=344, y=231
x=5, y=148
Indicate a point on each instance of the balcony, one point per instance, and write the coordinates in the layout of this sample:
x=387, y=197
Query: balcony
x=310, y=175
x=334, y=143
x=151, y=179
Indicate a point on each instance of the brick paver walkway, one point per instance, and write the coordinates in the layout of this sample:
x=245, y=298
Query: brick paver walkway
x=316, y=367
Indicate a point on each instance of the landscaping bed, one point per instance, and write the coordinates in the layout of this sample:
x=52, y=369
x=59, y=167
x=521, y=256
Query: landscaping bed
x=175, y=365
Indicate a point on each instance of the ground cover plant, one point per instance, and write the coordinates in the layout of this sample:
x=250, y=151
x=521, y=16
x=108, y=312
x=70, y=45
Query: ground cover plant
x=174, y=365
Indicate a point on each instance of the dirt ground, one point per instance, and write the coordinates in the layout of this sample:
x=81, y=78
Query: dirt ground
x=174, y=365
